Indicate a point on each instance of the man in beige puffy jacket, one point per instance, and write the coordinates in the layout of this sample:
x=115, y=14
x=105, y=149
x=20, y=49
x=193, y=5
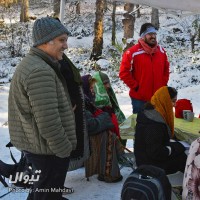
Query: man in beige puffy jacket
x=40, y=114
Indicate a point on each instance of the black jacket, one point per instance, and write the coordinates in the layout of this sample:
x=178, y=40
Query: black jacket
x=152, y=143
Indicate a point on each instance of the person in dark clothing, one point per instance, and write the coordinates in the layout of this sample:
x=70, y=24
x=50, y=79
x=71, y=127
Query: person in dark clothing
x=155, y=131
x=74, y=84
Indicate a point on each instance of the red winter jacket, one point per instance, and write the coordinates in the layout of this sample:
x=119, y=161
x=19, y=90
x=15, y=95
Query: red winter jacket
x=143, y=73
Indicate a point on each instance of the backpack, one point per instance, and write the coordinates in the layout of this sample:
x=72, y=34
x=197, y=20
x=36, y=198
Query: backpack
x=182, y=104
x=6, y=170
x=147, y=182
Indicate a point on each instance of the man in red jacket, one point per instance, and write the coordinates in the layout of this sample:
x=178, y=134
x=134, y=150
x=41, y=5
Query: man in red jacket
x=144, y=67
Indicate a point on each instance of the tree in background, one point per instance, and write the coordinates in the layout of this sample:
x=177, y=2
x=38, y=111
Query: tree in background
x=78, y=7
x=138, y=11
x=155, y=17
x=98, y=31
x=114, y=22
x=128, y=21
x=56, y=8
x=194, y=32
x=24, y=15
x=7, y=3
x=75, y=7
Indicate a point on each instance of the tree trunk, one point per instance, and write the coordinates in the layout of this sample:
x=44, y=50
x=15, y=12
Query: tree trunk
x=138, y=11
x=56, y=8
x=106, y=6
x=198, y=33
x=6, y=3
x=155, y=17
x=192, y=40
x=24, y=16
x=114, y=23
x=78, y=8
x=98, y=31
x=128, y=21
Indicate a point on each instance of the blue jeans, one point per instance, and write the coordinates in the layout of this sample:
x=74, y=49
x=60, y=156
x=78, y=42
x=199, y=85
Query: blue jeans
x=137, y=105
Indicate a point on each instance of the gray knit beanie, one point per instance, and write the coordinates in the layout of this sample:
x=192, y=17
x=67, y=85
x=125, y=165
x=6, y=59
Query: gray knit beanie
x=46, y=29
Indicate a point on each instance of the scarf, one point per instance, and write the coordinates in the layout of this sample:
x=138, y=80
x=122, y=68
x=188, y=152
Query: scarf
x=54, y=64
x=149, y=50
x=86, y=87
x=75, y=71
x=104, y=98
x=162, y=103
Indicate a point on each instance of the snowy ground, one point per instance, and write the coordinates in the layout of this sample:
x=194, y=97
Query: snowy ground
x=94, y=189
x=185, y=72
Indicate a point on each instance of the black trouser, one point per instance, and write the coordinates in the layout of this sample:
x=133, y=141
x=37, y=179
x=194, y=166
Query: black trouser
x=52, y=176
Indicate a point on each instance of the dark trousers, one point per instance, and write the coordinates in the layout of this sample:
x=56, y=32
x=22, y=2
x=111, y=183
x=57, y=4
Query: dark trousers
x=52, y=176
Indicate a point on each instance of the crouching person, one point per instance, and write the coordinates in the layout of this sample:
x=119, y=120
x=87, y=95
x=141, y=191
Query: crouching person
x=40, y=115
x=104, y=144
x=155, y=131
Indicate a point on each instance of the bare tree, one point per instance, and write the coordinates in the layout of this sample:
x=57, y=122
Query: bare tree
x=56, y=8
x=98, y=31
x=196, y=26
x=78, y=8
x=138, y=11
x=192, y=40
x=128, y=21
x=24, y=15
x=114, y=23
x=198, y=38
x=106, y=5
x=155, y=17
x=7, y=3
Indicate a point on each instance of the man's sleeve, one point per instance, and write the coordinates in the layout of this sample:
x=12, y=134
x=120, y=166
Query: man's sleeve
x=126, y=68
x=166, y=70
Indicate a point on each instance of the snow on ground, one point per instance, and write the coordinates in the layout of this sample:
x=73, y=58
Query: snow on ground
x=185, y=72
x=87, y=190
x=94, y=189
